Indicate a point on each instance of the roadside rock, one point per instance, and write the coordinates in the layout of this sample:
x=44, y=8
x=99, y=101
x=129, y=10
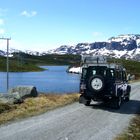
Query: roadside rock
x=18, y=94
x=24, y=91
x=10, y=98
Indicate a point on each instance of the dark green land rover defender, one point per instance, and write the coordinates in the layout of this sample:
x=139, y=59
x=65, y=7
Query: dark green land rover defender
x=103, y=81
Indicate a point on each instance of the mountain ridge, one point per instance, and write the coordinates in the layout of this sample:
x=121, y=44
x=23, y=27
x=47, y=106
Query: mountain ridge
x=122, y=46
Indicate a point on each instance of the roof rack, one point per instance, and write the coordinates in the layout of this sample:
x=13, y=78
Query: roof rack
x=88, y=59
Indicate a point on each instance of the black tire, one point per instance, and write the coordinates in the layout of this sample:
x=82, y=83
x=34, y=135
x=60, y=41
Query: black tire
x=127, y=98
x=84, y=100
x=81, y=99
x=87, y=103
x=117, y=102
x=90, y=83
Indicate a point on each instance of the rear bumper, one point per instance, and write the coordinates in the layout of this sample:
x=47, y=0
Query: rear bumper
x=98, y=96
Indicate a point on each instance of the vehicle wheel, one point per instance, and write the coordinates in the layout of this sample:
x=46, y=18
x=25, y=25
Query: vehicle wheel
x=96, y=83
x=81, y=99
x=106, y=101
x=127, y=98
x=117, y=102
x=87, y=103
x=84, y=100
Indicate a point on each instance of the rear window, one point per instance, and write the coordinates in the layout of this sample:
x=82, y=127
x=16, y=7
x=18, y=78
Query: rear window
x=103, y=71
x=110, y=73
x=96, y=71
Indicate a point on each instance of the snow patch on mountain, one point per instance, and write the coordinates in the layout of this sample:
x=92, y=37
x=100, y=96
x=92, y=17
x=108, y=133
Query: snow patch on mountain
x=138, y=42
x=123, y=46
x=122, y=38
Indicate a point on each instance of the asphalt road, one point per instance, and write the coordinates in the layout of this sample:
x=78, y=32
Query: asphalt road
x=75, y=122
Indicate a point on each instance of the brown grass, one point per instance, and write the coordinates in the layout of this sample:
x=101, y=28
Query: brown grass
x=35, y=106
x=133, y=131
x=134, y=81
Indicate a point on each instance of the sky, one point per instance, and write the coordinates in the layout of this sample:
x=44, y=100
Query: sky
x=41, y=25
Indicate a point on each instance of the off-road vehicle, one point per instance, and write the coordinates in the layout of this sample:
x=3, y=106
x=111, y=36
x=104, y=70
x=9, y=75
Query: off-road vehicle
x=103, y=81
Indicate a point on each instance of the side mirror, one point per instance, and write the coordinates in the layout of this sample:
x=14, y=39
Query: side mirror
x=130, y=77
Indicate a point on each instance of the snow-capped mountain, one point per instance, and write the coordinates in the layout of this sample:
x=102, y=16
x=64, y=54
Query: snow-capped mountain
x=123, y=46
x=11, y=51
x=2, y=53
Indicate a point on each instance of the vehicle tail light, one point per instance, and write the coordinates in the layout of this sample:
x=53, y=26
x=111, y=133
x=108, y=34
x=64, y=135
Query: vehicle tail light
x=82, y=86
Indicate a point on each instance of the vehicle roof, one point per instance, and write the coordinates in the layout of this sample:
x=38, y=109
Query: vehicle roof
x=88, y=61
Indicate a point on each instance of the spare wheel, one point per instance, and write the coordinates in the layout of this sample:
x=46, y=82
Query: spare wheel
x=96, y=83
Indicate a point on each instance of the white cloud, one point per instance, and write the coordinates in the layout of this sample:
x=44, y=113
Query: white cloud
x=28, y=14
x=2, y=31
x=33, y=13
x=1, y=21
x=96, y=34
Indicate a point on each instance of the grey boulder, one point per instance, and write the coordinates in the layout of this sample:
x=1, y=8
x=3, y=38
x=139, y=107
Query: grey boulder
x=10, y=98
x=18, y=94
x=24, y=91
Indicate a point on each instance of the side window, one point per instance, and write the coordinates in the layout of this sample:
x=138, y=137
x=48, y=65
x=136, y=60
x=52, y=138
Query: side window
x=110, y=73
x=124, y=76
x=118, y=75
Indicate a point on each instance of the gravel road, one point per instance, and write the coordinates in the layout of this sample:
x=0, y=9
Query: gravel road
x=75, y=122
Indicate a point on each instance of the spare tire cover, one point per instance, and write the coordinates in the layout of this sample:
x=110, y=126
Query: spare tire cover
x=96, y=83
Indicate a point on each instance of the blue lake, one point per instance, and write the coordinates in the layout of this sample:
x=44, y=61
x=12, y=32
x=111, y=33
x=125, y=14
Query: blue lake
x=53, y=80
